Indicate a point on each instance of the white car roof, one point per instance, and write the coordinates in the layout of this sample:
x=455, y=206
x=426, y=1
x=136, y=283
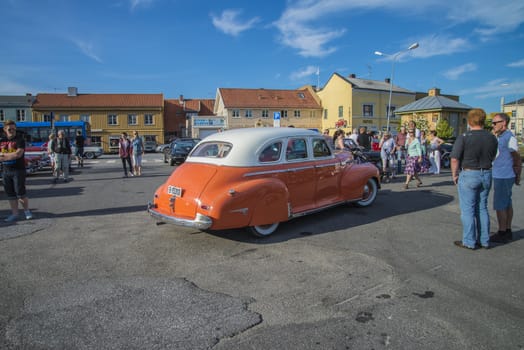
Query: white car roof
x=247, y=142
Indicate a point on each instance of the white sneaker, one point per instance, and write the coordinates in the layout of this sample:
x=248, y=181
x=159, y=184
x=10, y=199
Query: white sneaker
x=28, y=215
x=11, y=218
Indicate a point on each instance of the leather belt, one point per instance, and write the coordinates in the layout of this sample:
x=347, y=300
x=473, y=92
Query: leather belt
x=476, y=168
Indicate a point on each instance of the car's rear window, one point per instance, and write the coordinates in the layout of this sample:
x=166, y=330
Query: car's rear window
x=212, y=150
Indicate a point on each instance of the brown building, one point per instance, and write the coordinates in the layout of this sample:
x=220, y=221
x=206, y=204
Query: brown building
x=178, y=115
x=108, y=114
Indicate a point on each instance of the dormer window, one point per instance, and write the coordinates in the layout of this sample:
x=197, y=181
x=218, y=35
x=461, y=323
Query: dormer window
x=301, y=95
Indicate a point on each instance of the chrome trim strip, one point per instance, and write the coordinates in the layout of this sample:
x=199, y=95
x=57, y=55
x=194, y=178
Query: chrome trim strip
x=256, y=173
x=326, y=165
x=200, y=222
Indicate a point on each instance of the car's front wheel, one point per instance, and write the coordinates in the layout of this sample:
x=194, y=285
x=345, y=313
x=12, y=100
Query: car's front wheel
x=89, y=155
x=263, y=230
x=369, y=194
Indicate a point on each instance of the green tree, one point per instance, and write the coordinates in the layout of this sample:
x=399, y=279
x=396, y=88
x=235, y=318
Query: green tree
x=444, y=130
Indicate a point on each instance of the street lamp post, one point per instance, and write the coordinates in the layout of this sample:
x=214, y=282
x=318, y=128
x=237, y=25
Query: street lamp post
x=516, y=109
x=394, y=58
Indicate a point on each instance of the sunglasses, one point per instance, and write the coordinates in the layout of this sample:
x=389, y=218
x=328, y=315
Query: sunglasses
x=496, y=122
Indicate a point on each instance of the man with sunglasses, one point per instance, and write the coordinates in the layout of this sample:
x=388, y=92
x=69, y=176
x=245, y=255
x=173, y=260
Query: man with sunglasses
x=12, y=148
x=507, y=168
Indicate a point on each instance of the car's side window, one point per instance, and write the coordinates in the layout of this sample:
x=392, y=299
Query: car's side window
x=320, y=148
x=271, y=153
x=296, y=149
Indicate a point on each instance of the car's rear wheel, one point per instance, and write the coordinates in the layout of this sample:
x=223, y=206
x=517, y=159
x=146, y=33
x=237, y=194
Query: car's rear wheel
x=89, y=155
x=263, y=230
x=369, y=194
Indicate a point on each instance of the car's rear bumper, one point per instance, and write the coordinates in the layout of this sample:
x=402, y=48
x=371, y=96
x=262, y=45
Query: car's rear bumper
x=200, y=222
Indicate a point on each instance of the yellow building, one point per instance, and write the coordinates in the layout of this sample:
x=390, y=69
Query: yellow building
x=435, y=107
x=352, y=102
x=108, y=114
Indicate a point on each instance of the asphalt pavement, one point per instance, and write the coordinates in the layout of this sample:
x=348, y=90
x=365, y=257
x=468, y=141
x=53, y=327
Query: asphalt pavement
x=94, y=271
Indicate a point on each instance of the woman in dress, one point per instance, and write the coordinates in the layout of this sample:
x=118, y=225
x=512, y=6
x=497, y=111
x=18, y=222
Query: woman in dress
x=414, y=158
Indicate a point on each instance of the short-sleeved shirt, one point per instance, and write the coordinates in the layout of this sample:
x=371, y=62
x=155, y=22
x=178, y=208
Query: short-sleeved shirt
x=79, y=141
x=503, y=163
x=475, y=149
x=11, y=146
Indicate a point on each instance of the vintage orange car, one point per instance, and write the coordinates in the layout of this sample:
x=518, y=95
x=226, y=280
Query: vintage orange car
x=259, y=177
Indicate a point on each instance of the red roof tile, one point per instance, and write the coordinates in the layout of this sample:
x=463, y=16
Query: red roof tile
x=267, y=98
x=99, y=101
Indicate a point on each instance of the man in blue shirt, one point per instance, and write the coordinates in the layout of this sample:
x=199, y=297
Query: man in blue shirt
x=507, y=168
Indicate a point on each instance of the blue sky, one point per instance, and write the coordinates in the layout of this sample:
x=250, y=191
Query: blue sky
x=470, y=48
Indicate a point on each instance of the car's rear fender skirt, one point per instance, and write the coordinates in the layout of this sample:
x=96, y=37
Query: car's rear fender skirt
x=251, y=203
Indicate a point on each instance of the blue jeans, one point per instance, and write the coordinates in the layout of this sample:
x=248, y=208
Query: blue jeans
x=473, y=191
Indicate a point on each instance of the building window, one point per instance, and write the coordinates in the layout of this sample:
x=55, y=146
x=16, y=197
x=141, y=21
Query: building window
x=367, y=110
x=513, y=113
x=296, y=113
x=265, y=113
x=341, y=111
x=301, y=95
x=391, y=111
x=148, y=119
x=96, y=141
x=325, y=113
x=85, y=118
x=132, y=119
x=2, y=116
x=112, y=119
x=283, y=114
x=47, y=117
x=312, y=114
x=64, y=118
x=235, y=113
x=248, y=113
x=20, y=115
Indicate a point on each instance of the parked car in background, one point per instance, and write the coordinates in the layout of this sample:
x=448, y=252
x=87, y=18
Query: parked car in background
x=178, y=150
x=162, y=147
x=150, y=146
x=259, y=177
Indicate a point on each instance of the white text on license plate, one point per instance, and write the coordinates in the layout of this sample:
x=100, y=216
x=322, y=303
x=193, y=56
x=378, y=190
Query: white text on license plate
x=175, y=191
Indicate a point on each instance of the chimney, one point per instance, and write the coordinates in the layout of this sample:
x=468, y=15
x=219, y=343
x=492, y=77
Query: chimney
x=181, y=99
x=434, y=92
x=387, y=80
x=352, y=75
x=28, y=94
x=72, y=91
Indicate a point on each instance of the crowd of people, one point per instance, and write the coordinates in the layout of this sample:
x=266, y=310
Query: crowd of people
x=12, y=150
x=479, y=159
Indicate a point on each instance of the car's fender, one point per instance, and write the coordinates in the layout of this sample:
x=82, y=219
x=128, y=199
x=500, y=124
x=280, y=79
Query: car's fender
x=249, y=203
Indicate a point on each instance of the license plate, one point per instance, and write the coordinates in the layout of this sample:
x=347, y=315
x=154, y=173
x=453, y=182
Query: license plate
x=175, y=191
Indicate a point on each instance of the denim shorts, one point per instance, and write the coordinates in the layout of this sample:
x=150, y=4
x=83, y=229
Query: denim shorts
x=502, y=193
x=14, y=183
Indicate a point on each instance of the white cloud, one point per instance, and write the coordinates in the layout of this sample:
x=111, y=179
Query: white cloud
x=516, y=64
x=229, y=23
x=87, y=49
x=438, y=45
x=495, y=88
x=300, y=28
x=456, y=72
x=139, y=3
x=309, y=70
